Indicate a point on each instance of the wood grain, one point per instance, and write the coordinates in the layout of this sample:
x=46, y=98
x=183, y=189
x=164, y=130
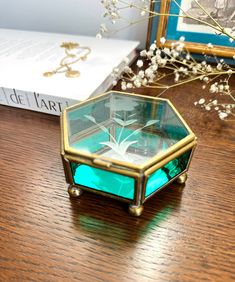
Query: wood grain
x=184, y=234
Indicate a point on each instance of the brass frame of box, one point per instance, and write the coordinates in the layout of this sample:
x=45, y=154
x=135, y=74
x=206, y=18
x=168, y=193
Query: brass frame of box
x=140, y=173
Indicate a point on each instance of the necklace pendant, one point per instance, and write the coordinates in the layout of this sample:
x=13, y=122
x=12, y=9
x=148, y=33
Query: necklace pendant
x=48, y=73
x=72, y=73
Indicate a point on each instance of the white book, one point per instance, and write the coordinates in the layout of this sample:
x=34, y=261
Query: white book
x=26, y=55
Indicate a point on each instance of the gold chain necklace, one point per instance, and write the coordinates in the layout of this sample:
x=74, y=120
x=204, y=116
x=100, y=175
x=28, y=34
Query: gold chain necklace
x=70, y=59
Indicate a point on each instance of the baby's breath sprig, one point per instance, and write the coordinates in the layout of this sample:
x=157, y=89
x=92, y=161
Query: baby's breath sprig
x=175, y=64
x=164, y=68
x=114, y=11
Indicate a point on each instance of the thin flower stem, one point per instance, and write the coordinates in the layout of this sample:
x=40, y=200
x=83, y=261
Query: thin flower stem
x=208, y=14
x=217, y=27
x=184, y=81
x=198, y=20
x=162, y=86
x=181, y=66
x=130, y=24
x=214, y=78
x=231, y=96
x=153, y=13
x=160, y=94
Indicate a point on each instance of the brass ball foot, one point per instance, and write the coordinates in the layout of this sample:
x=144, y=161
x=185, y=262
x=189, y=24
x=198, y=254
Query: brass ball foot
x=182, y=178
x=136, y=210
x=74, y=191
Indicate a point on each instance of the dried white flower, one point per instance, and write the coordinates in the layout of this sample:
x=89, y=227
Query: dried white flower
x=219, y=66
x=206, y=78
x=188, y=57
x=222, y=115
x=167, y=51
x=203, y=63
x=123, y=85
x=137, y=83
x=139, y=63
x=208, y=68
x=210, y=46
x=213, y=88
x=162, y=40
x=177, y=76
x=143, y=53
x=181, y=68
x=98, y=36
x=127, y=69
x=141, y=74
x=194, y=70
x=148, y=72
x=221, y=88
x=153, y=46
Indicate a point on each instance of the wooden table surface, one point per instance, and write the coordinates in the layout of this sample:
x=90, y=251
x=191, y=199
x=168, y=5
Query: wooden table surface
x=185, y=233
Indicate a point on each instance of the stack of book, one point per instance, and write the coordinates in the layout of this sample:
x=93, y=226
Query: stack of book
x=25, y=56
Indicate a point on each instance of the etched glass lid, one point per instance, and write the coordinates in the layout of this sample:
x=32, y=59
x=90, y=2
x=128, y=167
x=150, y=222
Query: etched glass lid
x=124, y=127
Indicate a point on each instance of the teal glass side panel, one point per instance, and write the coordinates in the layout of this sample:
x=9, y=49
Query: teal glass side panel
x=163, y=175
x=103, y=180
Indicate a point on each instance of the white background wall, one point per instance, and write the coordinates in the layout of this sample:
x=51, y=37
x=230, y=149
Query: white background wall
x=63, y=16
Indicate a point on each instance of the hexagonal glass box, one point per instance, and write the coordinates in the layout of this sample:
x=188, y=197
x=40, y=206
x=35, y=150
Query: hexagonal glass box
x=124, y=146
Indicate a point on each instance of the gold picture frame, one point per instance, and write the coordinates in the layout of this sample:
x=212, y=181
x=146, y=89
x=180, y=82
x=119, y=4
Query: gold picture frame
x=194, y=47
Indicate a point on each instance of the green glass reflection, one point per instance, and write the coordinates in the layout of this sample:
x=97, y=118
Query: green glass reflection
x=163, y=175
x=102, y=180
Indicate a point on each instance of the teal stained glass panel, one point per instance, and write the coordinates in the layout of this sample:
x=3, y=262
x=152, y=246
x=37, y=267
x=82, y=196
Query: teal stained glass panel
x=103, y=180
x=163, y=175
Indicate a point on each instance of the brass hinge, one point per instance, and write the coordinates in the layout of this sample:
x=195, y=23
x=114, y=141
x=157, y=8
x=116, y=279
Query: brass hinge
x=100, y=162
